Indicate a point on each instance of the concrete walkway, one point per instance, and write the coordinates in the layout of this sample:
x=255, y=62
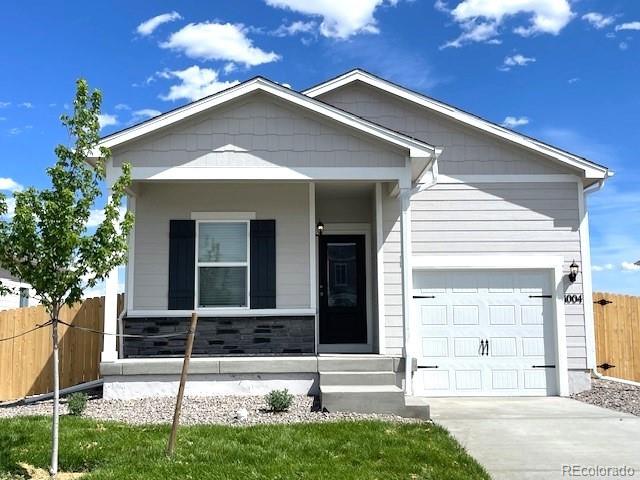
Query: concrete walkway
x=532, y=438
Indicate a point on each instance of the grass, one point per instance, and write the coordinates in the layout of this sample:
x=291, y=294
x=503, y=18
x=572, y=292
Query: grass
x=344, y=450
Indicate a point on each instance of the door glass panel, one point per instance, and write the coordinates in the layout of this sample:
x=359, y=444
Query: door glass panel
x=342, y=275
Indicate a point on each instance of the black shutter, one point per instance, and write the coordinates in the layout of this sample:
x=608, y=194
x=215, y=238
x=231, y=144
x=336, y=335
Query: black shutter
x=263, y=263
x=182, y=264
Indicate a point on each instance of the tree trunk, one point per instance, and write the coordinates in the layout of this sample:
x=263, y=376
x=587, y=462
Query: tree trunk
x=56, y=397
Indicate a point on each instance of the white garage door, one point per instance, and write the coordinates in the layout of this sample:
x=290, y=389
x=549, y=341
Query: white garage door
x=484, y=333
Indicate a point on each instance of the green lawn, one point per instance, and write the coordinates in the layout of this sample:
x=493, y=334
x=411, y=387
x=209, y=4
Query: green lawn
x=345, y=450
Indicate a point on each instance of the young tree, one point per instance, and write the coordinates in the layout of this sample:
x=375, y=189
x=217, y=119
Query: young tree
x=47, y=243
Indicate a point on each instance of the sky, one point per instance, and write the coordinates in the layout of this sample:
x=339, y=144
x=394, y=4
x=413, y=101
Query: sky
x=563, y=71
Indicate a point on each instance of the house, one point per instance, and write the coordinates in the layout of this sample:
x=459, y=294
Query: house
x=355, y=239
x=20, y=294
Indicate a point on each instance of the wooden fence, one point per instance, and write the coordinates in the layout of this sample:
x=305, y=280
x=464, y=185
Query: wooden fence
x=618, y=334
x=26, y=362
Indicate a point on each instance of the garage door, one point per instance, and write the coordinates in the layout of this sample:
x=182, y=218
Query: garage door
x=484, y=333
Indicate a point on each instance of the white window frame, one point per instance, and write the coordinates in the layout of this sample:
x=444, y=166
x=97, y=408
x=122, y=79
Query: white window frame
x=222, y=217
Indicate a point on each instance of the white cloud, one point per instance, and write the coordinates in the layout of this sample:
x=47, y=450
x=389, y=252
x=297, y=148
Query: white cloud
x=195, y=83
x=96, y=216
x=18, y=130
x=11, y=208
x=513, y=122
x=295, y=28
x=573, y=80
x=122, y=106
x=629, y=266
x=441, y=6
x=9, y=185
x=218, y=41
x=598, y=20
x=4, y=104
x=516, y=60
x=628, y=26
x=148, y=26
x=602, y=268
x=340, y=19
x=623, y=45
x=27, y=105
x=144, y=114
x=480, y=19
x=107, y=120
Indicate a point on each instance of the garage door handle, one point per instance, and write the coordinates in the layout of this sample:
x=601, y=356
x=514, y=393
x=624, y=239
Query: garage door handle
x=424, y=296
x=540, y=296
x=543, y=366
x=428, y=366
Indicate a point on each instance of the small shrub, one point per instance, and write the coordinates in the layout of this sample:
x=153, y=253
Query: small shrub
x=77, y=403
x=279, y=400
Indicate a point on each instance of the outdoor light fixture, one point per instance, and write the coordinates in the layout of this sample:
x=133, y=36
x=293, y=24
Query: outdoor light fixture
x=573, y=271
x=319, y=228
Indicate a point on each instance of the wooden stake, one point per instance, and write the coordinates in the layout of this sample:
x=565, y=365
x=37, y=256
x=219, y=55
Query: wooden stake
x=183, y=380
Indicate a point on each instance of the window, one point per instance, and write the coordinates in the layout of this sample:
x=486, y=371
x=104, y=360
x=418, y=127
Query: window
x=24, y=297
x=222, y=264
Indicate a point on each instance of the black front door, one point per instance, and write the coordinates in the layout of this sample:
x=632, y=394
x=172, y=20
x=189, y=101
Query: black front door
x=343, y=313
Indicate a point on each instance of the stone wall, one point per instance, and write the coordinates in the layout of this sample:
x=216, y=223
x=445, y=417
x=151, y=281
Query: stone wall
x=221, y=336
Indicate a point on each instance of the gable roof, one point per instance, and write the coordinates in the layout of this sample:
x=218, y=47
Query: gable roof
x=416, y=148
x=590, y=169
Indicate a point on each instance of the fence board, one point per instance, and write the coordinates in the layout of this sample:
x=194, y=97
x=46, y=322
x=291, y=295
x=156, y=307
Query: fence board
x=617, y=330
x=26, y=363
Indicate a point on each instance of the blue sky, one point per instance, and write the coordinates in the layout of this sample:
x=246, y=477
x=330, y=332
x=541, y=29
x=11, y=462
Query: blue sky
x=563, y=71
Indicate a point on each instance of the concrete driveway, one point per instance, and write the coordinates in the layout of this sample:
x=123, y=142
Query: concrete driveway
x=533, y=438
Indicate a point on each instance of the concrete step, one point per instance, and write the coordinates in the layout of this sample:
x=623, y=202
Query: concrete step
x=363, y=398
x=357, y=378
x=416, y=407
x=376, y=363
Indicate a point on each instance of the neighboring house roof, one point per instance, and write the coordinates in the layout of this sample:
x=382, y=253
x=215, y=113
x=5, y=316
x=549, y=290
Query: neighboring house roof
x=590, y=169
x=417, y=148
x=4, y=275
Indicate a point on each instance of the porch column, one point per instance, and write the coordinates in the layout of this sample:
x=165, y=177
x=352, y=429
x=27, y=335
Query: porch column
x=109, y=350
x=407, y=282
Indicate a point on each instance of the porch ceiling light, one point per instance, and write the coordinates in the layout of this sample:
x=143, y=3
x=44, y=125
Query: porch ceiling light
x=319, y=228
x=573, y=271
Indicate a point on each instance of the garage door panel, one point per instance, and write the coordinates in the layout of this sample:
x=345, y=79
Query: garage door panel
x=433, y=314
x=435, y=347
x=502, y=307
x=503, y=347
x=466, y=315
x=466, y=346
x=502, y=315
x=505, y=379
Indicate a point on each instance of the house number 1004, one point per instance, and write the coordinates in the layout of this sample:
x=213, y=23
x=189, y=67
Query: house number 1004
x=573, y=299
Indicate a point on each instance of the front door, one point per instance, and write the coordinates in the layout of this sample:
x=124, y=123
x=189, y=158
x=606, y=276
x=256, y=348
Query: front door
x=342, y=284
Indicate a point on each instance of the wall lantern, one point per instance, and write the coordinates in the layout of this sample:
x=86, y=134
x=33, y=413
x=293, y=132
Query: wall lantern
x=319, y=228
x=573, y=271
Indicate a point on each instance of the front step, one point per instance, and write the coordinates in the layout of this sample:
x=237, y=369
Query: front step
x=363, y=399
x=357, y=378
x=355, y=363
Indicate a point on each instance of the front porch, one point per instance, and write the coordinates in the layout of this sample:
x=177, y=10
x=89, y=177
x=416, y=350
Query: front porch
x=359, y=383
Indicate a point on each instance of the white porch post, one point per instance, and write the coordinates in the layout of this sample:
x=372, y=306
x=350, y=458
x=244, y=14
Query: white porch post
x=380, y=270
x=109, y=350
x=313, y=303
x=407, y=281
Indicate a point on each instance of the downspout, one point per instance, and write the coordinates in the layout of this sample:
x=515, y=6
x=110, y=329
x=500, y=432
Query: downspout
x=595, y=187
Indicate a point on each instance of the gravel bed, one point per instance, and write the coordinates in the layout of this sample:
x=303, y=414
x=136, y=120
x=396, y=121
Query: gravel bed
x=228, y=410
x=613, y=395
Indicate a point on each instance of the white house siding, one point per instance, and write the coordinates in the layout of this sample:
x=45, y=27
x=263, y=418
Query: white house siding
x=158, y=203
x=393, y=322
x=259, y=132
x=466, y=151
x=459, y=219
x=11, y=300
